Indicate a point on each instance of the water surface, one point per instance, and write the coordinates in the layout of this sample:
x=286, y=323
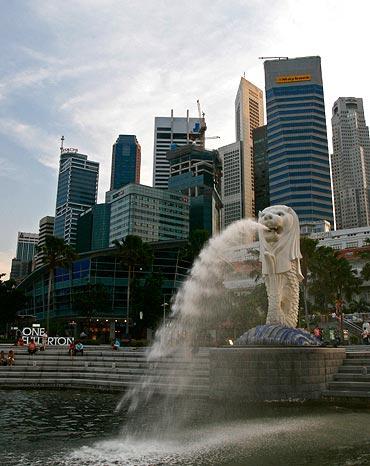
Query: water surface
x=81, y=429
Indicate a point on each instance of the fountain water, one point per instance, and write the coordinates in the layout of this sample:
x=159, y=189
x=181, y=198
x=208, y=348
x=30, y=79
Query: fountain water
x=200, y=303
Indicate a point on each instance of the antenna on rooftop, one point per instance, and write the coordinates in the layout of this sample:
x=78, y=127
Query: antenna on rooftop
x=61, y=144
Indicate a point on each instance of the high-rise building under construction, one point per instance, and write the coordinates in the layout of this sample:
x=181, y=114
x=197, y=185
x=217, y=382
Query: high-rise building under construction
x=171, y=132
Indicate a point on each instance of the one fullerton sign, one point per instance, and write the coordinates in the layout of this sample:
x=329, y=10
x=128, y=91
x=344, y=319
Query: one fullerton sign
x=37, y=334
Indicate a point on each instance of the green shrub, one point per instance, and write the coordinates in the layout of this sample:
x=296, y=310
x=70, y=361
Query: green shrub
x=138, y=343
x=90, y=342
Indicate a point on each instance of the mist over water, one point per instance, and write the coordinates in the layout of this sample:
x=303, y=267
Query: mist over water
x=201, y=298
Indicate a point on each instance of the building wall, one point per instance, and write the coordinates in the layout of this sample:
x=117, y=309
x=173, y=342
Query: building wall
x=196, y=173
x=77, y=191
x=126, y=161
x=101, y=267
x=26, y=250
x=169, y=131
x=46, y=228
x=93, y=228
x=299, y=173
x=152, y=214
x=261, y=169
x=350, y=163
x=231, y=186
x=249, y=114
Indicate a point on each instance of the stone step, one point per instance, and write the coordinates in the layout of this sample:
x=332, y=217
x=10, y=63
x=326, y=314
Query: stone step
x=345, y=394
x=86, y=375
x=357, y=362
x=352, y=377
x=355, y=355
x=88, y=383
x=352, y=369
x=349, y=385
x=6, y=371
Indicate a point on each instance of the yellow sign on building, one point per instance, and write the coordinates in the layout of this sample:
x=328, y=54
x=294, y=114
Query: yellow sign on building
x=293, y=79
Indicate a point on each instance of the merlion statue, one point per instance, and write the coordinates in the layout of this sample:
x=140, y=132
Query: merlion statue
x=280, y=256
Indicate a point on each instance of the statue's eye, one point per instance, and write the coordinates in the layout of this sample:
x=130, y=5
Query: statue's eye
x=280, y=214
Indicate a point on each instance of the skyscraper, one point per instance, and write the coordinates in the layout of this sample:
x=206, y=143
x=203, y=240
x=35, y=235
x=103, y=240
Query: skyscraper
x=261, y=169
x=77, y=191
x=126, y=160
x=26, y=249
x=299, y=173
x=231, y=186
x=350, y=163
x=196, y=173
x=248, y=116
x=46, y=228
x=169, y=132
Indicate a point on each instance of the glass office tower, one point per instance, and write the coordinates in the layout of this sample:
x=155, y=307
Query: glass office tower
x=126, y=160
x=77, y=191
x=299, y=173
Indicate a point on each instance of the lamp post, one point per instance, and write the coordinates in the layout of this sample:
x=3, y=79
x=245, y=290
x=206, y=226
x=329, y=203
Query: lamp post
x=164, y=305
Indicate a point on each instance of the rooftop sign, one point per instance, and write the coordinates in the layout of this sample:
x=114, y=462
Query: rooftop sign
x=293, y=78
x=69, y=150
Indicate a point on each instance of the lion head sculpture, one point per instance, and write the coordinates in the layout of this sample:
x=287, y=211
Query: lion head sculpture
x=279, y=239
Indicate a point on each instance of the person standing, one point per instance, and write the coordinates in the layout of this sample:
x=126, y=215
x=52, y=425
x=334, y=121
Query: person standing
x=44, y=341
x=365, y=336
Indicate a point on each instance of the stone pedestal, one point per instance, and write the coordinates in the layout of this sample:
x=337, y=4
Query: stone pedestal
x=272, y=373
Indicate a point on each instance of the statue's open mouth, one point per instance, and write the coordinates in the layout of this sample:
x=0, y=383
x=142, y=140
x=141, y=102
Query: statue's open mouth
x=276, y=229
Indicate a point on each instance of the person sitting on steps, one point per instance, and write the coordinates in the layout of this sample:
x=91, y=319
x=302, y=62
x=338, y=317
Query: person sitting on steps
x=32, y=347
x=11, y=358
x=72, y=349
x=3, y=360
x=79, y=348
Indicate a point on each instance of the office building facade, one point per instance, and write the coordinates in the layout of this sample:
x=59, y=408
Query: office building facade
x=103, y=267
x=77, y=191
x=196, y=173
x=299, y=173
x=93, y=228
x=249, y=114
x=261, y=169
x=169, y=132
x=26, y=250
x=350, y=163
x=46, y=228
x=126, y=161
x=151, y=213
x=231, y=185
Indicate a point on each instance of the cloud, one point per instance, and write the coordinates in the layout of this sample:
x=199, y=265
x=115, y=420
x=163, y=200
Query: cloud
x=5, y=263
x=28, y=136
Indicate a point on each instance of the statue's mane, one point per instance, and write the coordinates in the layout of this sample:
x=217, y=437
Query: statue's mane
x=286, y=249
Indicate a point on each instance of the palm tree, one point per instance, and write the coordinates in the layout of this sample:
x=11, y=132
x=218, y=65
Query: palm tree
x=132, y=251
x=308, y=250
x=55, y=253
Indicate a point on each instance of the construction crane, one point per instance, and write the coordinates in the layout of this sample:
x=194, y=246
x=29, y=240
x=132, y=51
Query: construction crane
x=199, y=127
x=273, y=58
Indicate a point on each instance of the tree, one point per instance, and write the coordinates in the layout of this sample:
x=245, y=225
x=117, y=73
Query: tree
x=308, y=251
x=55, y=253
x=132, y=251
x=332, y=278
x=11, y=301
x=148, y=299
x=196, y=241
x=91, y=299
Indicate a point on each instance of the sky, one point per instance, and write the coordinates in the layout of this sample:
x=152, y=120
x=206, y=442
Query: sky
x=93, y=69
